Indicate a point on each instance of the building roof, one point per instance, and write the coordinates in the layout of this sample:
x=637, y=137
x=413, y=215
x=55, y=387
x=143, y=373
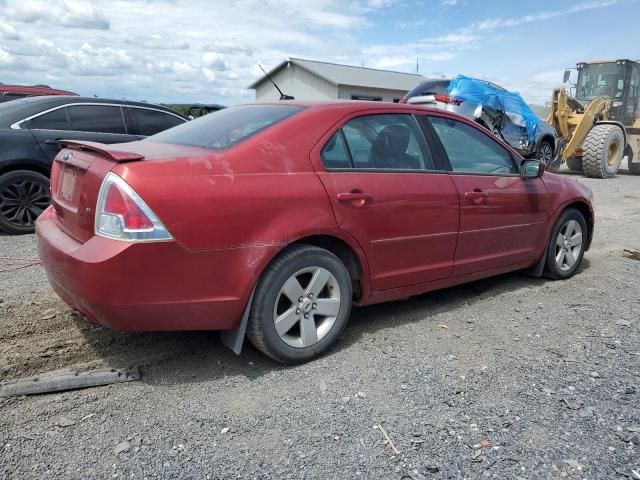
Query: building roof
x=349, y=75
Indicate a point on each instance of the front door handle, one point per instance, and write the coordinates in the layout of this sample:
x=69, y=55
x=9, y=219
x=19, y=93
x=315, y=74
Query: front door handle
x=477, y=196
x=355, y=198
x=53, y=142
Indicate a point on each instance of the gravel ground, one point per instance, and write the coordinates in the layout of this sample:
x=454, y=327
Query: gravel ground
x=510, y=378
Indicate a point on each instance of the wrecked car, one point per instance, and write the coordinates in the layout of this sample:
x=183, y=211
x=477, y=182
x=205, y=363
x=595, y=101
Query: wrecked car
x=502, y=112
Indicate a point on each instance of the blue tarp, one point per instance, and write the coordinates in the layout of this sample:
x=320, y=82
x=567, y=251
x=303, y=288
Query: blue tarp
x=496, y=98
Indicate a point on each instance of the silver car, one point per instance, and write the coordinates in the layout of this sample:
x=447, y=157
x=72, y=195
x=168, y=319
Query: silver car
x=502, y=112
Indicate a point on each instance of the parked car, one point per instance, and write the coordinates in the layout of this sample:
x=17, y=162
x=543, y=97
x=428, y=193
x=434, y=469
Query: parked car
x=16, y=92
x=29, y=132
x=274, y=219
x=502, y=112
x=200, y=109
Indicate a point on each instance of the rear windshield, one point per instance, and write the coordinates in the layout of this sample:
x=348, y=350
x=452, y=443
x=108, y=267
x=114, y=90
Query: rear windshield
x=430, y=87
x=226, y=128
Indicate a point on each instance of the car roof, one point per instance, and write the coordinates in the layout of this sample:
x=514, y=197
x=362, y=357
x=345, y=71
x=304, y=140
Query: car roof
x=16, y=110
x=44, y=89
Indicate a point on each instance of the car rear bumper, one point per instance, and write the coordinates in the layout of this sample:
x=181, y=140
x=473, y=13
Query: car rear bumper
x=147, y=286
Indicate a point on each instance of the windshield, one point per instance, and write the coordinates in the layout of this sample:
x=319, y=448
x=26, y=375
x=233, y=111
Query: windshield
x=226, y=128
x=600, y=80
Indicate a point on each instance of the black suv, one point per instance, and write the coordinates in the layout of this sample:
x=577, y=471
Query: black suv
x=29, y=132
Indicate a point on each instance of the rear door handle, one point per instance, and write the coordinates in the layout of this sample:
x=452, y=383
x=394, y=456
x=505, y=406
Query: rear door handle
x=357, y=199
x=477, y=196
x=52, y=142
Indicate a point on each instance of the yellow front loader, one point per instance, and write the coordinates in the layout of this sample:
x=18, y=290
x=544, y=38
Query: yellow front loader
x=600, y=125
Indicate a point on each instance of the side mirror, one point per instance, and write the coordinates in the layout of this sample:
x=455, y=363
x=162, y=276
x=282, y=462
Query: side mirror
x=567, y=75
x=531, y=169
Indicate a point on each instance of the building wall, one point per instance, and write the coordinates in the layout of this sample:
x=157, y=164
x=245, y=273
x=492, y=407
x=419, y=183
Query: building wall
x=297, y=82
x=347, y=91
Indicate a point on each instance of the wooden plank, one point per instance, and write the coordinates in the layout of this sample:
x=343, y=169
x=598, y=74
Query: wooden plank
x=68, y=381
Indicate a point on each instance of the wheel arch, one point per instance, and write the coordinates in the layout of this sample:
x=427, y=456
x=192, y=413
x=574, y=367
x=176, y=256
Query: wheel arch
x=30, y=165
x=620, y=126
x=347, y=255
x=550, y=138
x=587, y=213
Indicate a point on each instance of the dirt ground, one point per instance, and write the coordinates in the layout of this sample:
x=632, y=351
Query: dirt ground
x=511, y=377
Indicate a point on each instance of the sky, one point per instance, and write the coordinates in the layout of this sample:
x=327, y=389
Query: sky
x=208, y=51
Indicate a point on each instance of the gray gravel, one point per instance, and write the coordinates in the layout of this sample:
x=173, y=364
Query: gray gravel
x=510, y=378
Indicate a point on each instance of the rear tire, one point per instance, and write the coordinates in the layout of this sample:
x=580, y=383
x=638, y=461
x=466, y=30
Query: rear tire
x=568, y=239
x=306, y=290
x=574, y=164
x=603, y=150
x=24, y=194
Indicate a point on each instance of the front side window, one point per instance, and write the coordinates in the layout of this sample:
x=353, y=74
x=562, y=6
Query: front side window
x=54, y=120
x=600, y=80
x=228, y=127
x=471, y=151
x=96, y=118
x=386, y=142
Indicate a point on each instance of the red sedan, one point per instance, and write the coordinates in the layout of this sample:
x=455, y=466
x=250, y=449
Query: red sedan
x=271, y=220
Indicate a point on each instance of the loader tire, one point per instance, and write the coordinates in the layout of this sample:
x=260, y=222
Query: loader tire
x=574, y=164
x=603, y=150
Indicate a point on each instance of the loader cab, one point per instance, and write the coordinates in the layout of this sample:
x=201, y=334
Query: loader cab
x=617, y=81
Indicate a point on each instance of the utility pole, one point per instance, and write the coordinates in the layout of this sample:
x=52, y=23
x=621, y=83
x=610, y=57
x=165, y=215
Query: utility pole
x=417, y=64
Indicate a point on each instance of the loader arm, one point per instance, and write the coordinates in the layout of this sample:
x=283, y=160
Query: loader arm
x=570, y=123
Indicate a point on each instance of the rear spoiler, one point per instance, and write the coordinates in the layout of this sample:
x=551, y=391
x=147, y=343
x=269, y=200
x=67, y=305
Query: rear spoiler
x=102, y=149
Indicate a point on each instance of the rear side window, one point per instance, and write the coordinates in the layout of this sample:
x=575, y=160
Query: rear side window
x=470, y=150
x=334, y=153
x=96, y=118
x=55, y=120
x=150, y=122
x=228, y=127
x=380, y=142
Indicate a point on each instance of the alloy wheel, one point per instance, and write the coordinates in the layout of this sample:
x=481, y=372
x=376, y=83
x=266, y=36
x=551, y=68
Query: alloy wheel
x=22, y=201
x=568, y=245
x=306, y=307
x=545, y=153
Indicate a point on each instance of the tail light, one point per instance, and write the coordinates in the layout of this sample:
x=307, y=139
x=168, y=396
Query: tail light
x=448, y=99
x=122, y=215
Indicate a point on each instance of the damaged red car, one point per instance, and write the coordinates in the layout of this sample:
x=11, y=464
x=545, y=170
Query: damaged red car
x=271, y=221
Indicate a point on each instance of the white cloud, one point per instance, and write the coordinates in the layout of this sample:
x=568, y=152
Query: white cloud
x=449, y=3
x=494, y=23
x=7, y=30
x=68, y=13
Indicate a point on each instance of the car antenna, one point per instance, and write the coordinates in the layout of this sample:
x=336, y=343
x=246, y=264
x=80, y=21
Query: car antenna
x=282, y=95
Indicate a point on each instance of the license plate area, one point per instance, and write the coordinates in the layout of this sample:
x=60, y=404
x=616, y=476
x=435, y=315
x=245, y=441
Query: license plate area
x=68, y=183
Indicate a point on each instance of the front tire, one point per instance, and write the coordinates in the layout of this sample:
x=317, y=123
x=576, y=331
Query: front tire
x=301, y=305
x=566, y=245
x=24, y=194
x=603, y=150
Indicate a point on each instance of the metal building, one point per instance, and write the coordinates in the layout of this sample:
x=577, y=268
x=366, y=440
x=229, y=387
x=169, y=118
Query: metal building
x=311, y=80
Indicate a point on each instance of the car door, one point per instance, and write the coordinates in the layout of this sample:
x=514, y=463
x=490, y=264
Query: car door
x=502, y=216
x=389, y=194
x=95, y=122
